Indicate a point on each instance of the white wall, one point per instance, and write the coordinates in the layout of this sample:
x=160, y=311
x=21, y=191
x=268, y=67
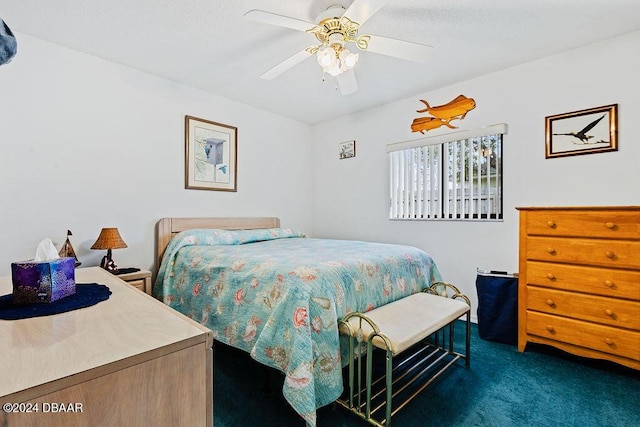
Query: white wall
x=86, y=144
x=351, y=196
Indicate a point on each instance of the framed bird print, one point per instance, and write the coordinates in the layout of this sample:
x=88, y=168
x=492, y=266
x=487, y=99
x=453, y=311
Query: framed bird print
x=210, y=155
x=582, y=132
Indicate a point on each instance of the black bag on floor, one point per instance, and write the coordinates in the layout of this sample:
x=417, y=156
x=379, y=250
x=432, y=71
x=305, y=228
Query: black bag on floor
x=497, y=307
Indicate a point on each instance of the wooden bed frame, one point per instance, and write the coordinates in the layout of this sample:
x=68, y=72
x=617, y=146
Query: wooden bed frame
x=169, y=227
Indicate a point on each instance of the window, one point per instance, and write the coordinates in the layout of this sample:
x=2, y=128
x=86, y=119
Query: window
x=456, y=176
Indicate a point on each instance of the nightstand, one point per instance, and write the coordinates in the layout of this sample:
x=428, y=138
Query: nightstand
x=138, y=279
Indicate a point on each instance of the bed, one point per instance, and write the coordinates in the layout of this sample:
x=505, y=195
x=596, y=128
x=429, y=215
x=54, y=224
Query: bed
x=278, y=294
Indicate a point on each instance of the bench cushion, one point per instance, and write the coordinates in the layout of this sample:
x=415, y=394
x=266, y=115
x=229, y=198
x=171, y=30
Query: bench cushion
x=408, y=320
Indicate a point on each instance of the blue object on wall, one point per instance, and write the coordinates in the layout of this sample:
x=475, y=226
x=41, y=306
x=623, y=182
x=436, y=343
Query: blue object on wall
x=497, y=307
x=8, y=43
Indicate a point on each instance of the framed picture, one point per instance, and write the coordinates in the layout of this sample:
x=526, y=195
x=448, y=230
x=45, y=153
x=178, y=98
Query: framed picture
x=210, y=155
x=582, y=132
x=346, y=149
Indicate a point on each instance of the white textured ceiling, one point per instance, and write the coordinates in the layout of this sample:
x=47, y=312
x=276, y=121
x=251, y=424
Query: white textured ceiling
x=207, y=44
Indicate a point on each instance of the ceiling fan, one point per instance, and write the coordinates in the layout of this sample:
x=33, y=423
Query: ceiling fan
x=336, y=28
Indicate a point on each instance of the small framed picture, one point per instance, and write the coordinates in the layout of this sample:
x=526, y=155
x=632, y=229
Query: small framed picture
x=582, y=132
x=210, y=155
x=347, y=150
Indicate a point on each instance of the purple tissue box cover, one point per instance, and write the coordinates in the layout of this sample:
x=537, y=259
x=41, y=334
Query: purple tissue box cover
x=43, y=281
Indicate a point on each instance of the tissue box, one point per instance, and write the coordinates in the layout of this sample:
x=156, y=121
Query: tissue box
x=43, y=281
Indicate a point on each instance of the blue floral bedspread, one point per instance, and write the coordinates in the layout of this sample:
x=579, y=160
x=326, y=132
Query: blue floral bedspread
x=278, y=295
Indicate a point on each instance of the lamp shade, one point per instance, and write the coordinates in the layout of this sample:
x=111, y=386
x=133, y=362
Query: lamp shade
x=109, y=238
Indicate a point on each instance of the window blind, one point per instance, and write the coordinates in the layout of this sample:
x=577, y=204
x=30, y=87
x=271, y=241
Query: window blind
x=453, y=176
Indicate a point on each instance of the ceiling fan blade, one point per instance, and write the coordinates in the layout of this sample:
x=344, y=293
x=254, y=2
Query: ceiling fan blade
x=361, y=10
x=285, y=65
x=410, y=51
x=347, y=82
x=279, y=20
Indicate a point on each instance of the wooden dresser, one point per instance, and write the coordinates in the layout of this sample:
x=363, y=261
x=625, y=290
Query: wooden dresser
x=126, y=361
x=579, y=284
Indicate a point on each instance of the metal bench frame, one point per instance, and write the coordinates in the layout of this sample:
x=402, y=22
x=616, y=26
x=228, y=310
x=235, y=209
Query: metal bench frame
x=422, y=363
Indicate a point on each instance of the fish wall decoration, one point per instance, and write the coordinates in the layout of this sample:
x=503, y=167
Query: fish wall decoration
x=442, y=115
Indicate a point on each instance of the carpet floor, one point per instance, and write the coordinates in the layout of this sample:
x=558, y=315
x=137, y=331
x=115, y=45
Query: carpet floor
x=541, y=387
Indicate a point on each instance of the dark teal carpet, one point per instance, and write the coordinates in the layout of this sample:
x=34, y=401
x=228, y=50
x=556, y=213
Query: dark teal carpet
x=541, y=387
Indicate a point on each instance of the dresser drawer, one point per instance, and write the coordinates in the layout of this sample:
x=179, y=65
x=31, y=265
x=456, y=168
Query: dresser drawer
x=593, y=223
x=584, y=334
x=609, y=311
x=139, y=279
x=138, y=283
x=590, y=280
x=607, y=253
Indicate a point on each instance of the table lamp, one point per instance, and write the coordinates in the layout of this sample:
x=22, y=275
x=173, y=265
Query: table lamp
x=109, y=239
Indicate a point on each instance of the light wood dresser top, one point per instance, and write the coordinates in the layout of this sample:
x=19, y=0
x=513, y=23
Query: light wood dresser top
x=128, y=328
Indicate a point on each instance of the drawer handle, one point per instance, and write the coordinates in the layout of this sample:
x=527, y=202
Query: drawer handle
x=608, y=312
x=609, y=284
x=551, y=329
x=551, y=276
x=551, y=251
x=610, y=255
x=551, y=224
x=610, y=225
x=609, y=341
x=550, y=303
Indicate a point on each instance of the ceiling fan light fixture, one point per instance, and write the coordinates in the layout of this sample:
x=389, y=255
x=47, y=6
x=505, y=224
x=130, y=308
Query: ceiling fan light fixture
x=334, y=71
x=326, y=57
x=335, y=59
x=348, y=59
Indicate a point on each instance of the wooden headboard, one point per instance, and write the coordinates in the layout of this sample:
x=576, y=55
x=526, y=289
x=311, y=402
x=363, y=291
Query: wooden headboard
x=169, y=227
